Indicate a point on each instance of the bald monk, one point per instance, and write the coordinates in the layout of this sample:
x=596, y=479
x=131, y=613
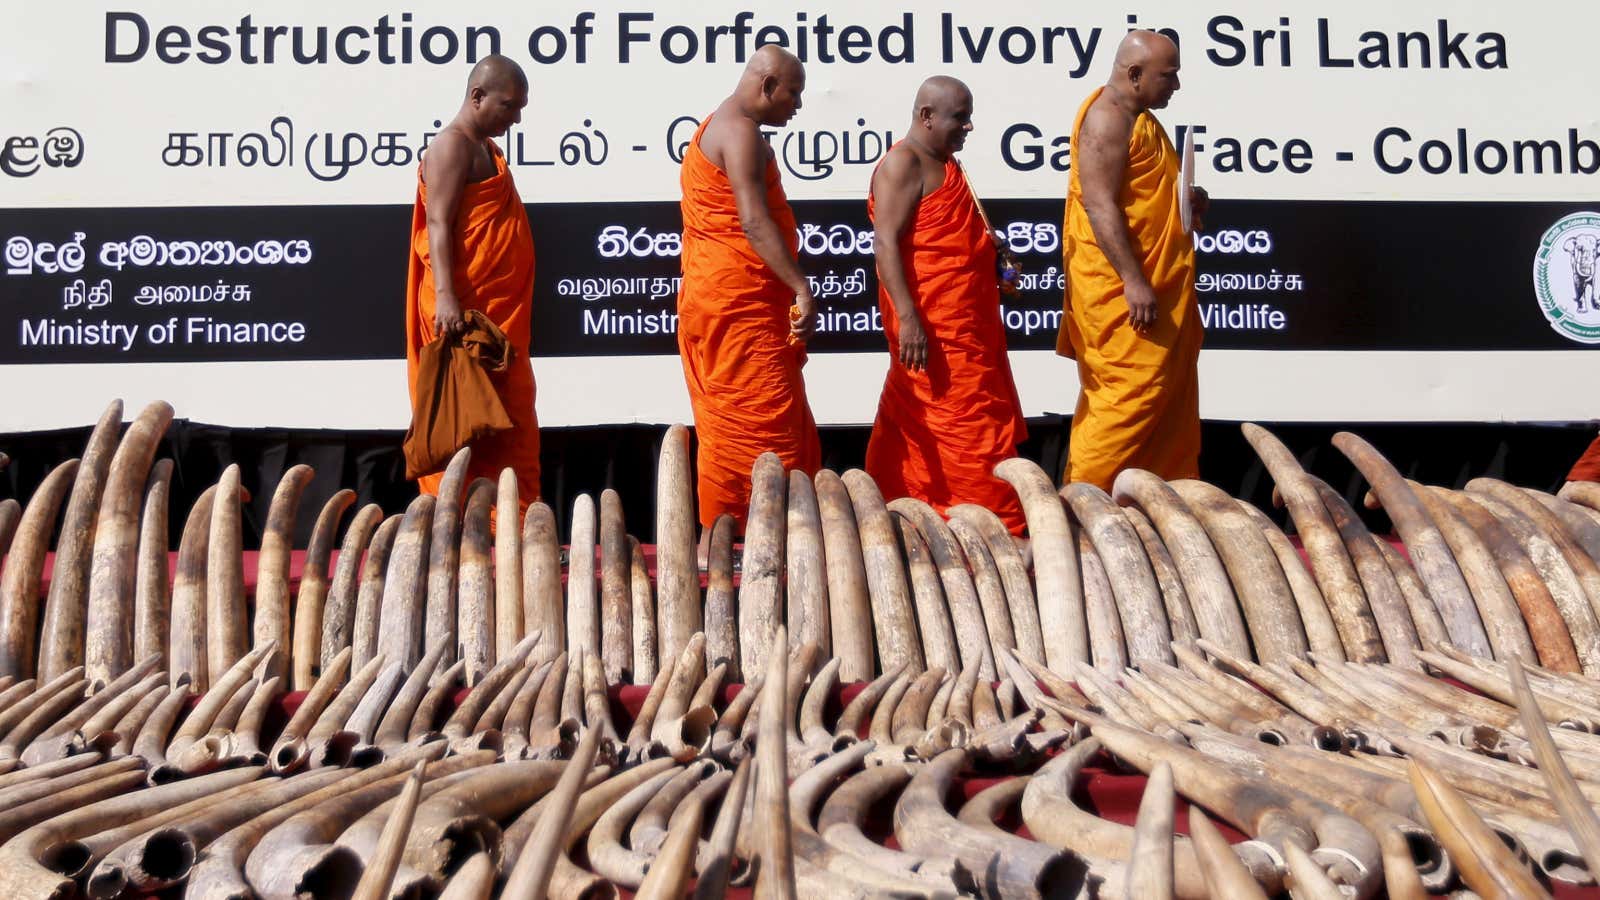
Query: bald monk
x=471, y=248
x=1131, y=319
x=745, y=310
x=949, y=410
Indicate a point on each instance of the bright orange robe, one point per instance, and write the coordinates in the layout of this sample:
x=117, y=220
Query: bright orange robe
x=742, y=370
x=1587, y=468
x=1140, y=406
x=940, y=432
x=494, y=274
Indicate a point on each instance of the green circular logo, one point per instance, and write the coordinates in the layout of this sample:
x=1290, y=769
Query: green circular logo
x=1566, y=277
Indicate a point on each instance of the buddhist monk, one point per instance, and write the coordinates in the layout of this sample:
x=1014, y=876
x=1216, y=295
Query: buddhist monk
x=745, y=310
x=1131, y=318
x=949, y=410
x=471, y=248
x=1587, y=468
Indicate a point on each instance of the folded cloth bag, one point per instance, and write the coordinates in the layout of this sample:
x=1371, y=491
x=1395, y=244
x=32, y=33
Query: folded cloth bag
x=456, y=403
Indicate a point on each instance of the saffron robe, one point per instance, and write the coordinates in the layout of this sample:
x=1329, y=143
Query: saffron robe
x=1587, y=468
x=494, y=261
x=940, y=432
x=1140, y=405
x=742, y=370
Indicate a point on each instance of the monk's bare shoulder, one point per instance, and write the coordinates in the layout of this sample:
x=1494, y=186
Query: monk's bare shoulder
x=730, y=135
x=899, y=173
x=1105, y=123
x=448, y=158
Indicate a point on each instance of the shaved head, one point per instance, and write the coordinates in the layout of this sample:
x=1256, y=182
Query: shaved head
x=770, y=88
x=1145, y=48
x=941, y=92
x=1145, y=73
x=496, y=72
x=770, y=60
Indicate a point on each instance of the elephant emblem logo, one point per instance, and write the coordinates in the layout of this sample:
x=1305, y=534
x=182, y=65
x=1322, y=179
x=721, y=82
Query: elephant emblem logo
x=1564, y=277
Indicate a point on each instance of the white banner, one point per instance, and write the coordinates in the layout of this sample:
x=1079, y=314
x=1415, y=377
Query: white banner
x=208, y=200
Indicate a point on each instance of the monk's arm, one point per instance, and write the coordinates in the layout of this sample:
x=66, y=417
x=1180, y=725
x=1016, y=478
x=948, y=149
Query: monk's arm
x=896, y=190
x=1102, y=158
x=445, y=169
x=745, y=161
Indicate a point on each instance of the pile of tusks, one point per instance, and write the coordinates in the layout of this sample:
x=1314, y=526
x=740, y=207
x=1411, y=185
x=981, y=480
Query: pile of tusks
x=1378, y=722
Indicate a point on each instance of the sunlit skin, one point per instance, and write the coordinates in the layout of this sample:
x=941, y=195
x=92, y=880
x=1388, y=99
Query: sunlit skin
x=768, y=94
x=941, y=119
x=461, y=153
x=1144, y=76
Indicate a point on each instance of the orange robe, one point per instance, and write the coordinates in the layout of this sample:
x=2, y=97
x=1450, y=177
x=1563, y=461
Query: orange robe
x=940, y=432
x=1140, y=406
x=742, y=370
x=1587, y=468
x=493, y=257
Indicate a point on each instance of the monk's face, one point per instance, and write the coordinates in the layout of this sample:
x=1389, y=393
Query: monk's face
x=782, y=91
x=500, y=106
x=949, y=121
x=1156, y=80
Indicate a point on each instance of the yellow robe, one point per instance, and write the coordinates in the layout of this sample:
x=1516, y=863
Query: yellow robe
x=1140, y=406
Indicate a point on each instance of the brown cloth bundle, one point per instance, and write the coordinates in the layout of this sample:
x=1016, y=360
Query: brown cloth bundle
x=456, y=403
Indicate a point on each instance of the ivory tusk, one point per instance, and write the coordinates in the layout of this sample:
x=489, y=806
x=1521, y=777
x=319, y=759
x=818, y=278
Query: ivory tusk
x=775, y=850
x=583, y=612
x=514, y=730
x=1322, y=634
x=677, y=578
x=439, y=549
x=645, y=635
x=151, y=742
x=1264, y=595
x=227, y=621
x=339, y=610
x=19, y=585
x=1127, y=568
x=530, y=875
x=806, y=579
x=616, y=594
x=1435, y=565
x=327, y=743
x=61, y=636
x=760, y=603
x=473, y=881
x=849, y=599
x=1062, y=618
x=1383, y=591
x=1008, y=865
x=473, y=600
x=508, y=625
x=607, y=857
x=400, y=619
x=290, y=751
x=893, y=622
x=272, y=612
x=378, y=876
x=1106, y=640
x=1225, y=875
x=712, y=882
x=1150, y=860
x=1484, y=862
x=987, y=584
x=1013, y=572
x=443, y=689
x=722, y=622
x=669, y=874
x=1576, y=812
x=973, y=636
x=113, y=570
x=369, y=596
x=542, y=606
x=937, y=636
x=1180, y=616
x=187, y=659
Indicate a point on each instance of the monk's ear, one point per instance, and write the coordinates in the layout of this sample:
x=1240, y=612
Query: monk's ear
x=769, y=86
x=1135, y=73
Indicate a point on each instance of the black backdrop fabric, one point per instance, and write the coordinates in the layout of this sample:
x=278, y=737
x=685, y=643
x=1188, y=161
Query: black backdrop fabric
x=588, y=460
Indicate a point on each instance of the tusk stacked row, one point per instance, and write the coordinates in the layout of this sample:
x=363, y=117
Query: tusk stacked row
x=1373, y=722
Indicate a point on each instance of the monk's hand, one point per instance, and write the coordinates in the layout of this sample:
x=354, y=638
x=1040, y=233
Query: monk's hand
x=1199, y=203
x=803, y=317
x=913, y=344
x=1141, y=306
x=447, y=318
